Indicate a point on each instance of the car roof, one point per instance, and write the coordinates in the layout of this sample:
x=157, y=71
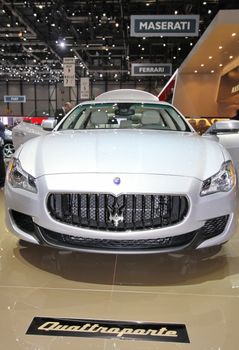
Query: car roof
x=126, y=96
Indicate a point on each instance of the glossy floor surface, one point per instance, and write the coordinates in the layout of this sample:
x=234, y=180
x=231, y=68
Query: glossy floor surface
x=199, y=290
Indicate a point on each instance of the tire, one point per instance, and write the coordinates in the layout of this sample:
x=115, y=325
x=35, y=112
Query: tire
x=8, y=150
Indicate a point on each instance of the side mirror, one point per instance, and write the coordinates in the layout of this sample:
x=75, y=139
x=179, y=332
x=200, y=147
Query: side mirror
x=48, y=125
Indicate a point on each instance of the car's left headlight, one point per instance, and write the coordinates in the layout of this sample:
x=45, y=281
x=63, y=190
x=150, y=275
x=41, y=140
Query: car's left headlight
x=19, y=178
x=223, y=181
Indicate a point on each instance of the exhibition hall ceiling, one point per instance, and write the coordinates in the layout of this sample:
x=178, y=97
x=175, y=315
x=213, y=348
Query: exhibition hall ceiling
x=35, y=36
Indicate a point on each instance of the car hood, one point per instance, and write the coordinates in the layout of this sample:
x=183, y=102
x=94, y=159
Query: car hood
x=122, y=151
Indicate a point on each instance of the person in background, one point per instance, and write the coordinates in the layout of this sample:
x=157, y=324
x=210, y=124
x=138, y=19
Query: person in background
x=236, y=116
x=61, y=112
x=2, y=164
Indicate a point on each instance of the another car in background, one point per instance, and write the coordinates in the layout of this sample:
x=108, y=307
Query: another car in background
x=36, y=117
x=126, y=174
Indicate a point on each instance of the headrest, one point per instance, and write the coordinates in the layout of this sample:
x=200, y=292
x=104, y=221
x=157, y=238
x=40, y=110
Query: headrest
x=99, y=117
x=150, y=117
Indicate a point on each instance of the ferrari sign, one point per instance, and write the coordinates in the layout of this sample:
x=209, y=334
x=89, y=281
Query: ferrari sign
x=151, y=69
x=168, y=25
x=69, y=71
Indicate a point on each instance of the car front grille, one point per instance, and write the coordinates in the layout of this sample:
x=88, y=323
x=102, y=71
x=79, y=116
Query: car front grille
x=110, y=213
x=211, y=228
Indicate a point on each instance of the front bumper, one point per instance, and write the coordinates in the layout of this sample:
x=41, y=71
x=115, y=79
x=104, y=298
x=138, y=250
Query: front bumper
x=217, y=211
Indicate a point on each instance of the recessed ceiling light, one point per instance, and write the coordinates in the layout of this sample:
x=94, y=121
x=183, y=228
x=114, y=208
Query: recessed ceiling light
x=195, y=71
x=176, y=12
x=220, y=65
x=191, y=44
x=204, y=3
x=220, y=47
x=202, y=65
x=210, y=57
x=231, y=57
x=164, y=45
x=62, y=44
x=233, y=34
x=209, y=11
x=174, y=57
x=212, y=71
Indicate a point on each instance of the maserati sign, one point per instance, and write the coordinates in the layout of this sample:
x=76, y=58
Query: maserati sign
x=168, y=25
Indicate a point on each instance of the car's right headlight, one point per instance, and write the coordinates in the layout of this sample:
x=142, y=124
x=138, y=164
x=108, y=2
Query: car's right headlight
x=223, y=181
x=19, y=178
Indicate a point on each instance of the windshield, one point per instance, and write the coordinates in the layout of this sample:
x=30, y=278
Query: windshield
x=125, y=116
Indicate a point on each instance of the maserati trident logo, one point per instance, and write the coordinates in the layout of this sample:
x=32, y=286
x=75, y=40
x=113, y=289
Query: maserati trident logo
x=116, y=213
x=116, y=218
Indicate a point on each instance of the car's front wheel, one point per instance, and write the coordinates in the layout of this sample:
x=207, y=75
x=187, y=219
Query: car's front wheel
x=8, y=150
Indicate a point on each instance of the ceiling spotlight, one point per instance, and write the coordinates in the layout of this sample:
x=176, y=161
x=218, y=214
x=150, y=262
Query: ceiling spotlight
x=202, y=65
x=176, y=12
x=147, y=3
x=191, y=44
x=8, y=25
x=233, y=34
x=164, y=45
x=210, y=57
x=220, y=47
x=174, y=57
x=209, y=11
x=62, y=44
x=231, y=57
x=220, y=65
x=212, y=71
x=195, y=71
x=116, y=24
